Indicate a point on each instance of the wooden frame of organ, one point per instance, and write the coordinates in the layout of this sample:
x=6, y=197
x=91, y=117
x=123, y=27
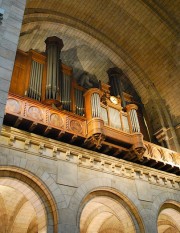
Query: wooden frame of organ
x=90, y=115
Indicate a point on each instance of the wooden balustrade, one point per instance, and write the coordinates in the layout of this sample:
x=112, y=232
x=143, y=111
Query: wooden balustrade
x=33, y=116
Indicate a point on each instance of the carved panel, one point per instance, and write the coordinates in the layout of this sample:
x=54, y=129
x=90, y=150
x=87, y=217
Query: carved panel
x=56, y=120
x=35, y=113
x=76, y=126
x=13, y=105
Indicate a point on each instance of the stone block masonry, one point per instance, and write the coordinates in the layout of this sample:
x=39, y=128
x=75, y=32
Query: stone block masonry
x=9, y=36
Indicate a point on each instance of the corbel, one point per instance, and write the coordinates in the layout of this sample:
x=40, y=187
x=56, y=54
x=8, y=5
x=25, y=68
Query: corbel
x=79, y=158
x=41, y=147
x=11, y=140
x=26, y=144
x=68, y=153
x=54, y=151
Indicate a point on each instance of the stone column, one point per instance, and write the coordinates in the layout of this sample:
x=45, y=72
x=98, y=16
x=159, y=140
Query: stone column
x=9, y=35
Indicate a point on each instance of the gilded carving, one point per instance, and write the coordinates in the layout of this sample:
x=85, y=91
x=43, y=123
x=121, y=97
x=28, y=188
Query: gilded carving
x=156, y=154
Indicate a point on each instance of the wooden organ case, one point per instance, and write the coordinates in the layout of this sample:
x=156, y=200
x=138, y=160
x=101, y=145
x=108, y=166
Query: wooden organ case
x=44, y=98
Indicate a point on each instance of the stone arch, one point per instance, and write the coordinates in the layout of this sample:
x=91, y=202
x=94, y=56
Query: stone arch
x=42, y=193
x=169, y=217
x=107, y=187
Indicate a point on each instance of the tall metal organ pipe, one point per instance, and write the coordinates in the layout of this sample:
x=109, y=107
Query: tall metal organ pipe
x=54, y=46
x=115, y=75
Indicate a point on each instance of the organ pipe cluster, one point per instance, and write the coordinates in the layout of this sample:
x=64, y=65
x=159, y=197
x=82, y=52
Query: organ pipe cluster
x=53, y=50
x=95, y=105
x=35, y=85
x=132, y=110
x=79, y=102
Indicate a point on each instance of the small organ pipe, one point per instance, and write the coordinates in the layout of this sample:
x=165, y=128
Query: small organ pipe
x=82, y=103
x=31, y=81
x=54, y=72
x=94, y=105
x=34, y=80
x=40, y=81
x=132, y=120
x=135, y=120
x=78, y=102
x=37, y=81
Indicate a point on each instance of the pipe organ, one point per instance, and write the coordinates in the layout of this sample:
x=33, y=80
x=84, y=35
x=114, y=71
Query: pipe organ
x=97, y=115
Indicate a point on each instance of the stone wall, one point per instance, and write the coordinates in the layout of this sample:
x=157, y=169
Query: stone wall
x=9, y=37
x=71, y=174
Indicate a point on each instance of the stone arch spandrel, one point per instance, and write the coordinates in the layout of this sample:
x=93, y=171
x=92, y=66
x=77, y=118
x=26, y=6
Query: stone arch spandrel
x=163, y=199
x=88, y=189
x=150, y=215
x=23, y=161
x=39, y=185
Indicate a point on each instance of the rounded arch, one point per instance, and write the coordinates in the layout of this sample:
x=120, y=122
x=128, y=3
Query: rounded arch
x=106, y=187
x=35, y=193
x=169, y=217
x=107, y=210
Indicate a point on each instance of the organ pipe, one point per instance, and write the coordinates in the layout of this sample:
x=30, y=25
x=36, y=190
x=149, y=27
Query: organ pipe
x=132, y=111
x=35, y=85
x=115, y=75
x=79, y=100
x=66, y=92
x=53, y=50
x=95, y=105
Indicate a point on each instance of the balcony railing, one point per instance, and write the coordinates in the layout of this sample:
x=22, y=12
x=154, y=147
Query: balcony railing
x=90, y=132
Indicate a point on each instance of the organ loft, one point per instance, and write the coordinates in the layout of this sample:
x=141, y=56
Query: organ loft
x=46, y=99
x=89, y=116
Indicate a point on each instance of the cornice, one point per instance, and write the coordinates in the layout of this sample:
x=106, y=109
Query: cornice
x=29, y=143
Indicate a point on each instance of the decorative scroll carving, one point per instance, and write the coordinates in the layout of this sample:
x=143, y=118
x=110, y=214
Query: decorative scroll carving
x=34, y=113
x=56, y=120
x=76, y=126
x=157, y=154
x=13, y=106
